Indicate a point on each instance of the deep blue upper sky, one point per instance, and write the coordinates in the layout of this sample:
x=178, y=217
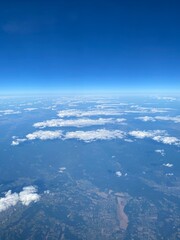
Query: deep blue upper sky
x=89, y=44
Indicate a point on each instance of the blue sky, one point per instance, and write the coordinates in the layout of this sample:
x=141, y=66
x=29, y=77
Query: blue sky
x=89, y=45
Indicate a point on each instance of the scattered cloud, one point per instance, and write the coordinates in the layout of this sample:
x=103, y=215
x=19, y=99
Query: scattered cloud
x=146, y=134
x=110, y=105
x=26, y=104
x=44, y=135
x=168, y=165
x=128, y=140
x=80, y=122
x=62, y=169
x=146, y=119
x=26, y=196
x=156, y=135
x=17, y=141
x=168, y=118
x=118, y=174
x=111, y=110
x=169, y=174
x=167, y=98
x=139, y=109
x=120, y=120
x=167, y=140
x=9, y=112
x=99, y=134
x=30, y=109
x=47, y=192
x=175, y=119
x=161, y=151
x=10, y=199
x=79, y=113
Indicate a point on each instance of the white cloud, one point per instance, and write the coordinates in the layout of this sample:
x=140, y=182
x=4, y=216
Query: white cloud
x=146, y=134
x=168, y=165
x=79, y=113
x=167, y=140
x=110, y=105
x=62, y=169
x=175, y=119
x=17, y=141
x=169, y=174
x=128, y=140
x=30, y=109
x=156, y=135
x=10, y=199
x=26, y=196
x=161, y=151
x=120, y=120
x=167, y=98
x=80, y=122
x=9, y=112
x=139, y=109
x=26, y=104
x=99, y=134
x=168, y=118
x=146, y=119
x=118, y=174
x=44, y=135
x=46, y=191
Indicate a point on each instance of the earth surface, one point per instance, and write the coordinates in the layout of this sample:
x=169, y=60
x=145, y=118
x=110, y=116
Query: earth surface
x=89, y=167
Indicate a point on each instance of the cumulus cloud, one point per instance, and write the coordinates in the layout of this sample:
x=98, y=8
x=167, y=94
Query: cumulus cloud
x=80, y=122
x=175, y=119
x=99, y=134
x=87, y=136
x=26, y=196
x=42, y=135
x=146, y=134
x=167, y=140
x=79, y=113
x=156, y=135
x=10, y=199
